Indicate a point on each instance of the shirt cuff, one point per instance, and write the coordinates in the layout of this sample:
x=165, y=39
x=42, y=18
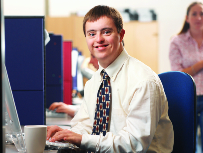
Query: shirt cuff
x=90, y=142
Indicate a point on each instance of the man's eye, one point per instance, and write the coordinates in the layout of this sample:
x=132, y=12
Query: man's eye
x=106, y=32
x=91, y=34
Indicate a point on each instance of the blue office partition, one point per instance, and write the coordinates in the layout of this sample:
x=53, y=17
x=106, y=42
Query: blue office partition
x=31, y=112
x=24, y=58
x=54, y=69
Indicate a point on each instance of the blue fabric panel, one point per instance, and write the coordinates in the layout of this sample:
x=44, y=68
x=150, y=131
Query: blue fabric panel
x=24, y=54
x=30, y=107
x=53, y=94
x=54, y=60
x=181, y=94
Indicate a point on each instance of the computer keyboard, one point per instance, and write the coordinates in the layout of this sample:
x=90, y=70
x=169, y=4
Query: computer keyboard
x=54, y=114
x=61, y=144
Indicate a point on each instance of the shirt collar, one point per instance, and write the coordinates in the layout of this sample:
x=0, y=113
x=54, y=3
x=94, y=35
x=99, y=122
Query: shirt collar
x=113, y=69
x=188, y=35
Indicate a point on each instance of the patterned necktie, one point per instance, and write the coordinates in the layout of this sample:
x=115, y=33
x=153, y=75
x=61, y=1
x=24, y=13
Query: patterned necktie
x=101, y=118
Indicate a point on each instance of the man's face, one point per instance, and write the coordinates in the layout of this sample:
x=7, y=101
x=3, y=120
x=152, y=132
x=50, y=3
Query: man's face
x=103, y=40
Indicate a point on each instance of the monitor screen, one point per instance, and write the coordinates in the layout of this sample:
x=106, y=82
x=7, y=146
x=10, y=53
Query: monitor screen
x=10, y=121
x=2, y=60
x=12, y=124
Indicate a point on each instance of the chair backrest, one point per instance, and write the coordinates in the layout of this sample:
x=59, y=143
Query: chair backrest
x=180, y=91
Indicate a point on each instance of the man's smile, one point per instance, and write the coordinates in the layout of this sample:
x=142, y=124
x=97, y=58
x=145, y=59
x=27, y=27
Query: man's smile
x=100, y=46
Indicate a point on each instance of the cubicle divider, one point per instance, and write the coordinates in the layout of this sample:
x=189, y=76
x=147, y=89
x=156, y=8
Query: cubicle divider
x=67, y=72
x=24, y=58
x=54, y=69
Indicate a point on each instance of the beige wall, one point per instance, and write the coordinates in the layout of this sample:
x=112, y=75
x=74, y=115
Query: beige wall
x=170, y=13
x=141, y=38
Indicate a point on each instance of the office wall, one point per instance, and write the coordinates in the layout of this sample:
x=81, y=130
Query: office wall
x=24, y=7
x=170, y=13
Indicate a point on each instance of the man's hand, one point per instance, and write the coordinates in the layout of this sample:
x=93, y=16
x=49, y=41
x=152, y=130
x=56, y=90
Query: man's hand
x=61, y=107
x=55, y=105
x=66, y=135
x=51, y=130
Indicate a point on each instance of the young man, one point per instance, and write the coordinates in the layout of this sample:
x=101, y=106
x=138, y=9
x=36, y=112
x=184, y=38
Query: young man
x=138, y=110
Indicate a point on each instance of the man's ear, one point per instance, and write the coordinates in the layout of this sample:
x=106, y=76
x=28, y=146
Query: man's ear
x=122, y=33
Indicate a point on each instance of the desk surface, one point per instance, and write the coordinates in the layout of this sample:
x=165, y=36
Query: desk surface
x=62, y=122
x=12, y=149
x=58, y=121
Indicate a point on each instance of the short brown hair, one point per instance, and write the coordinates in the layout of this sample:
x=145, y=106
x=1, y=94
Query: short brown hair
x=101, y=10
x=186, y=25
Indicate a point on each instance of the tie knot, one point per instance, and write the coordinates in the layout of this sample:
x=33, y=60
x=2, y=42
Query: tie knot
x=104, y=74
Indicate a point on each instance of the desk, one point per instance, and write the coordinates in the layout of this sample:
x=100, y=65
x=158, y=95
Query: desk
x=62, y=122
x=58, y=121
x=12, y=149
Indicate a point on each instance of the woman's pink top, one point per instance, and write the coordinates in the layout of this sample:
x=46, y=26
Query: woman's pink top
x=184, y=52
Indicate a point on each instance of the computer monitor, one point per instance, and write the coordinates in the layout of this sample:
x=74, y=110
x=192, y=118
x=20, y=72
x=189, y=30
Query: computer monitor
x=2, y=60
x=74, y=63
x=12, y=124
x=80, y=85
x=77, y=60
x=10, y=120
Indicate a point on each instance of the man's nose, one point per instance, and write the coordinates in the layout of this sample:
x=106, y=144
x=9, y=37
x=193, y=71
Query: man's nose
x=100, y=38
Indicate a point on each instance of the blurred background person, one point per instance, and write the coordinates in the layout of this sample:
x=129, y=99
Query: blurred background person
x=186, y=55
x=89, y=66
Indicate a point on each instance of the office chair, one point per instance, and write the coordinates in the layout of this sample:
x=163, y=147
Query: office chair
x=180, y=91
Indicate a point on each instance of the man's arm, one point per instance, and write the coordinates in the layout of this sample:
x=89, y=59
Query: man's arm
x=145, y=110
x=55, y=133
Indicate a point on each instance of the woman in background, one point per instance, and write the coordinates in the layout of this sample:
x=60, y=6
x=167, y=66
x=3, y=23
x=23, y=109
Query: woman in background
x=186, y=54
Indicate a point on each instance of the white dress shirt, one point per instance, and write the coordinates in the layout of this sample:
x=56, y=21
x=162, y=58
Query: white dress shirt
x=139, y=119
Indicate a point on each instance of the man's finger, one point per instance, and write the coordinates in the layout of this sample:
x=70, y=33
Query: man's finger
x=52, y=130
